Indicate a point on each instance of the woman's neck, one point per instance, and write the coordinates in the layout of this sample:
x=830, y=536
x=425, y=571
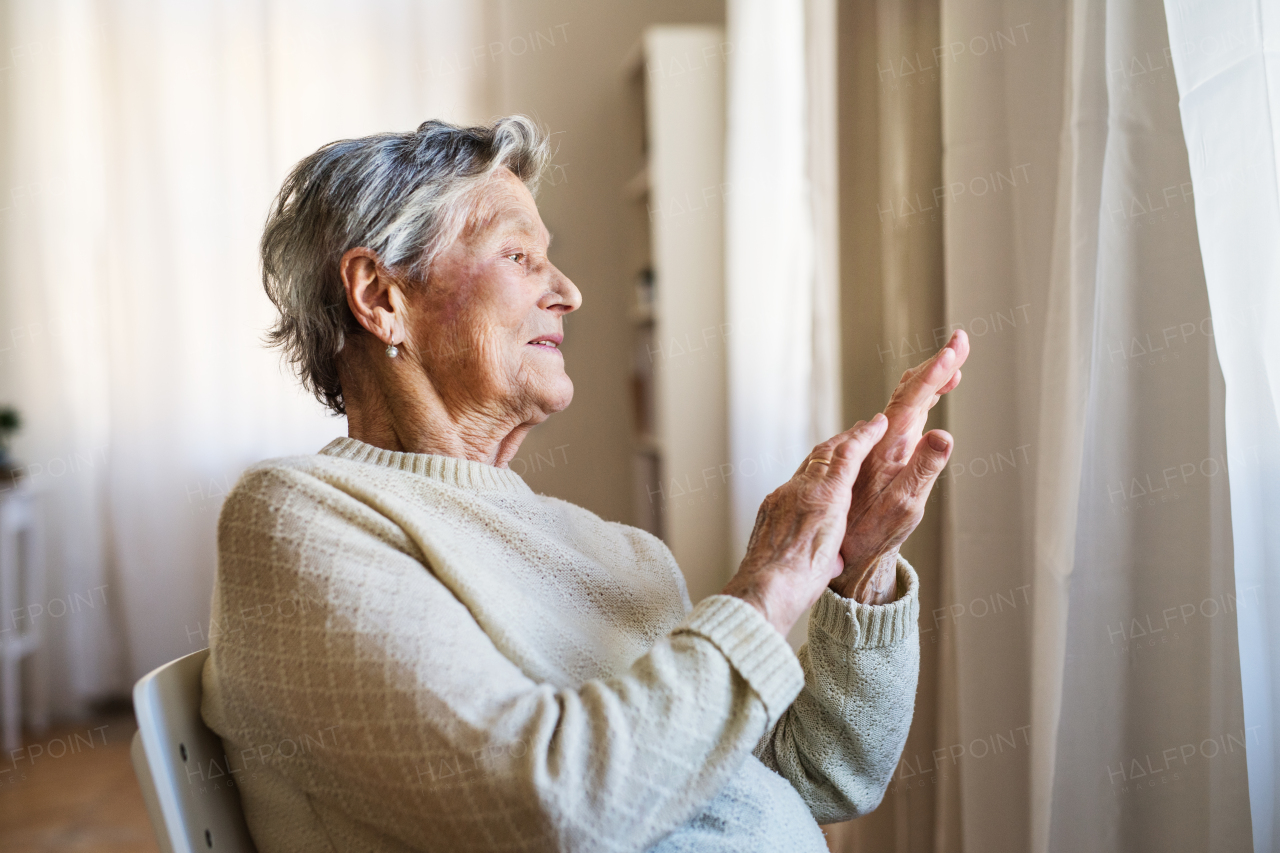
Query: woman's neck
x=454, y=439
x=419, y=421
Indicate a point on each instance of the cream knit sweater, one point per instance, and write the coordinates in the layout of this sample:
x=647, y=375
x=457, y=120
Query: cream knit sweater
x=415, y=652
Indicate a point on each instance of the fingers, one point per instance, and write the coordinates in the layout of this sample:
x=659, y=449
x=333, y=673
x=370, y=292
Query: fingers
x=931, y=377
x=848, y=454
x=937, y=397
x=952, y=383
x=935, y=376
x=926, y=463
x=827, y=449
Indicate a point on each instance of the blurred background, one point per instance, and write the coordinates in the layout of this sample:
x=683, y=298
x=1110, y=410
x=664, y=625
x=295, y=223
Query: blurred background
x=772, y=209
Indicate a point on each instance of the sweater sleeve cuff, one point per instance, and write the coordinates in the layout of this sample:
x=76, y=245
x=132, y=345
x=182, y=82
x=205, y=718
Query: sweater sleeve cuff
x=870, y=625
x=753, y=647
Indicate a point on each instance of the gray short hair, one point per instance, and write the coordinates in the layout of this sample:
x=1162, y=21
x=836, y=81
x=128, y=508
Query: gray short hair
x=405, y=196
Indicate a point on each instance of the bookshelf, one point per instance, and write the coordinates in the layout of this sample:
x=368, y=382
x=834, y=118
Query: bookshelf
x=675, y=80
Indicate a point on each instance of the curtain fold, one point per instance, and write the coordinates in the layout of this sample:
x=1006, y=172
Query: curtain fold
x=152, y=136
x=768, y=249
x=1089, y=688
x=1115, y=517
x=823, y=167
x=781, y=297
x=1225, y=55
x=52, y=360
x=1002, y=71
x=891, y=310
x=1069, y=313
x=1138, y=680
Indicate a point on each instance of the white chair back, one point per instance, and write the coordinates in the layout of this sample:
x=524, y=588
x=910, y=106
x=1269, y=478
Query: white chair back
x=192, y=798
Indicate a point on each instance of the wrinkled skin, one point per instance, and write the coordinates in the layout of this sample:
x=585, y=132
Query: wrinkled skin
x=468, y=381
x=474, y=373
x=869, y=499
x=794, y=550
x=895, y=480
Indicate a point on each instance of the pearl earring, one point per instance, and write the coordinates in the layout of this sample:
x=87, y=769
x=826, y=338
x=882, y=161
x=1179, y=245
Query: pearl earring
x=392, y=352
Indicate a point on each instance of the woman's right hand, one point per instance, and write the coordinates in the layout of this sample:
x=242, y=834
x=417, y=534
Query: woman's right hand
x=794, y=550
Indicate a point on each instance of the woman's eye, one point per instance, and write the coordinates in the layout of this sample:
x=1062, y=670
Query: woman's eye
x=516, y=256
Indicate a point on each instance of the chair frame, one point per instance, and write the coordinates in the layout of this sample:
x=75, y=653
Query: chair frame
x=172, y=749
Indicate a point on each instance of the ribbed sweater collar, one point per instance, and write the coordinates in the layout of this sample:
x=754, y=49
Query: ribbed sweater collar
x=447, y=469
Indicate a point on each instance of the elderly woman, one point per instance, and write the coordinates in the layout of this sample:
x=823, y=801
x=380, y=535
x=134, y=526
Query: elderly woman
x=417, y=652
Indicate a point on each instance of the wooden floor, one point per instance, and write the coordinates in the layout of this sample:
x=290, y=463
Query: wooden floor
x=73, y=789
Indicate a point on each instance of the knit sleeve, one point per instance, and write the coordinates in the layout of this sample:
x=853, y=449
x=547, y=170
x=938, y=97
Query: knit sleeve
x=839, y=742
x=431, y=734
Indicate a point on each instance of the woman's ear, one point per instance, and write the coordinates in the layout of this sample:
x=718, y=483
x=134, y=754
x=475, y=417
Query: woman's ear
x=373, y=296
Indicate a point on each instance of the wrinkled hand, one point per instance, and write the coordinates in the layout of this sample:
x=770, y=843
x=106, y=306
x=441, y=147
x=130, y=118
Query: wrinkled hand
x=895, y=479
x=794, y=550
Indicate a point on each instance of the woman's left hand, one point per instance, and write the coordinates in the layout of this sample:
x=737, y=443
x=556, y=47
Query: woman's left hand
x=895, y=479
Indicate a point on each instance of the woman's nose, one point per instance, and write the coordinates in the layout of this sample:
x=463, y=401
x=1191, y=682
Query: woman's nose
x=564, y=293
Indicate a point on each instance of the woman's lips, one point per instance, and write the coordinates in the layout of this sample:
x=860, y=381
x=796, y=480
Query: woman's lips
x=551, y=342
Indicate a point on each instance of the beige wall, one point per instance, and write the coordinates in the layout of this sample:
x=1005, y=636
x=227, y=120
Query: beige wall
x=576, y=88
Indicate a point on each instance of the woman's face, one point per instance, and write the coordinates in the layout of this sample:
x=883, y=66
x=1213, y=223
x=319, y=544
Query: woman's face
x=489, y=323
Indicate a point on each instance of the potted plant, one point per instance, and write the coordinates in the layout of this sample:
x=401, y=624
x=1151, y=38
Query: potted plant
x=10, y=423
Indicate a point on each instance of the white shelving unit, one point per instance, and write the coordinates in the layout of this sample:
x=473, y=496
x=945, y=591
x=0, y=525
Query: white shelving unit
x=676, y=77
x=21, y=634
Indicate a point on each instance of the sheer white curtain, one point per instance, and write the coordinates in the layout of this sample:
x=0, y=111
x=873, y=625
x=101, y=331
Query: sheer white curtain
x=1228, y=69
x=1094, y=603
x=780, y=241
x=142, y=142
